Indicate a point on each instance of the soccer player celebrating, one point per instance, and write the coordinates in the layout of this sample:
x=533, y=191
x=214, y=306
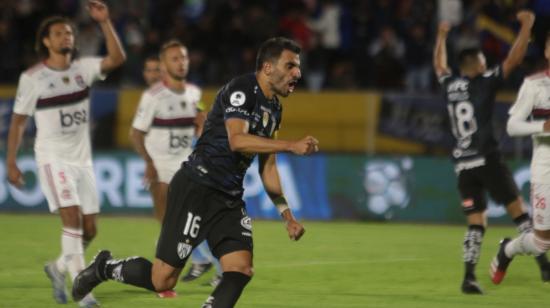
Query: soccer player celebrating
x=205, y=195
x=529, y=116
x=470, y=97
x=56, y=93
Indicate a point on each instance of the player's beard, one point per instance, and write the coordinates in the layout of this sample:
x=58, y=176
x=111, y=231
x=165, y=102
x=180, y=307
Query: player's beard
x=176, y=76
x=65, y=50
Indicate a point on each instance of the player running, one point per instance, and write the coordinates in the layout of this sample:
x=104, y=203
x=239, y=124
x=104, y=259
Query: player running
x=56, y=92
x=529, y=116
x=470, y=96
x=205, y=195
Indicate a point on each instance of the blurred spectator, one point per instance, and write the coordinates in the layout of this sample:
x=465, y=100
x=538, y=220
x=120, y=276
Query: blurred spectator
x=387, y=51
x=418, y=59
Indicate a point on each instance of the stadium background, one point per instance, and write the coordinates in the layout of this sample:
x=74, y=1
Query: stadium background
x=368, y=94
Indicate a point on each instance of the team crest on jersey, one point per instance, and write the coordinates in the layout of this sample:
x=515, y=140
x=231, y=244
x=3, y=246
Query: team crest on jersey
x=184, y=250
x=65, y=79
x=246, y=222
x=237, y=98
x=80, y=81
x=265, y=118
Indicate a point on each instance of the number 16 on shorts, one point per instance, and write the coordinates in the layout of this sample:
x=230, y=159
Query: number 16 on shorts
x=192, y=225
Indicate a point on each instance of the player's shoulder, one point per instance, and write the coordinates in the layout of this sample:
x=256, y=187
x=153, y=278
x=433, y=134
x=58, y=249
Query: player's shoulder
x=155, y=89
x=495, y=71
x=193, y=89
x=244, y=83
x=537, y=76
x=34, y=70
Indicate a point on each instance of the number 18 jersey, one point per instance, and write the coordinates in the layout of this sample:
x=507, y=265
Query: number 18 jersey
x=470, y=103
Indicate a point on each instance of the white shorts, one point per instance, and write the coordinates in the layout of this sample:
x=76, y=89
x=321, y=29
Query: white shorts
x=166, y=170
x=67, y=185
x=540, y=198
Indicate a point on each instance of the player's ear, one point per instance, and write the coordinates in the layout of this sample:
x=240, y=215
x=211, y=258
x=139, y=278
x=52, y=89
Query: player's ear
x=268, y=68
x=46, y=42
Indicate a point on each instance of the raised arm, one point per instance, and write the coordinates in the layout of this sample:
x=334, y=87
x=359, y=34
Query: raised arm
x=272, y=184
x=518, y=123
x=15, y=135
x=440, y=50
x=241, y=141
x=519, y=48
x=115, y=53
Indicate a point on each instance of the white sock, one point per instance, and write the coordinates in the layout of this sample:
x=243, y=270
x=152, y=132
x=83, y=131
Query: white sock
x=73, y=251
x=527, y=243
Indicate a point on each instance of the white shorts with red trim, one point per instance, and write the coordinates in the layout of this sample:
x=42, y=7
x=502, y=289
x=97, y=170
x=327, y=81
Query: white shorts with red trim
x=68, y=185
x=540, y=198
x=167, y=169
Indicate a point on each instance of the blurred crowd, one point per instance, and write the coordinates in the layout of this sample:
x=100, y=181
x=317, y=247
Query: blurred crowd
x=347, y=44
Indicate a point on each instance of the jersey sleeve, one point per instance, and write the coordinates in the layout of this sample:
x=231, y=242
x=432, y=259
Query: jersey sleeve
x=200, y=103
x=494, y=76
x=145, y=113
x=238, y=101
x=517, y=124
x=444, y=77
x=26, y=97
x=91, y=68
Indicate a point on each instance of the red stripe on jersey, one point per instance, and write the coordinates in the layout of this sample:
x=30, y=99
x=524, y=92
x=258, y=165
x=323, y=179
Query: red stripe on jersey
x=65, y=99
x=181, y=122
x=540, y=112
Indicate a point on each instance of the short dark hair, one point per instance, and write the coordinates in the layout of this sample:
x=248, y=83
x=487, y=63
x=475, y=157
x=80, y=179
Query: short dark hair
x=151, y=58
x=170, y=44
x=271, y=50
x=44, y=30
x=466, y=56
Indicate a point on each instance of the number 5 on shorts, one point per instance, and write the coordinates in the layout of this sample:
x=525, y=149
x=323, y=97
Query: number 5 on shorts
x=192, y=225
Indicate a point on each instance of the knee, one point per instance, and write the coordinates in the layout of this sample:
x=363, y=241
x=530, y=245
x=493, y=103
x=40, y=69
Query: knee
x=248, y=270
x=163, y=283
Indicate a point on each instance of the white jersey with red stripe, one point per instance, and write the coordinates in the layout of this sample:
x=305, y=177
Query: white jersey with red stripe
x=59, y=101
x=527, y=117
x=168, y=118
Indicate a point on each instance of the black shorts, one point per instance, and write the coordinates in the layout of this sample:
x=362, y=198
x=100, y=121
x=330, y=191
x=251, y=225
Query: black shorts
x=494, y=177
x=196, y=212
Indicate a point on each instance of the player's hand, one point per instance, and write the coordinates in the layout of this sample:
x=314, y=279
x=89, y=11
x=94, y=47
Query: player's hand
x=305, y=146
x=526, y=18
x=444, y=28
x=98, y=10
x=15, y=177
x=546, y=126
x=150, y=176
x=295, y=229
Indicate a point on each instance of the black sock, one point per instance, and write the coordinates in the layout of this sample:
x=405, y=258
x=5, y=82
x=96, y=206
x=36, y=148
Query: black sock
x=135, y=271
x=472, y=247
x=228, y=291
x=523, y=223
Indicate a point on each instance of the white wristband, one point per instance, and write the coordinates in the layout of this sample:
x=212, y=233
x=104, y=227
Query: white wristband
x=281, y=204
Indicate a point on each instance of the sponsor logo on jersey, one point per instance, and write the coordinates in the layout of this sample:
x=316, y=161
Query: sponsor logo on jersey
x=80, y=81
x=237, y=98
x=179, y=141
x=184, y=250
x=246, y=222
x=73, y=118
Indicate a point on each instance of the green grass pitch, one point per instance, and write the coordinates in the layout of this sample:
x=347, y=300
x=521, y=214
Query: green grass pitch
x=336, y=264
